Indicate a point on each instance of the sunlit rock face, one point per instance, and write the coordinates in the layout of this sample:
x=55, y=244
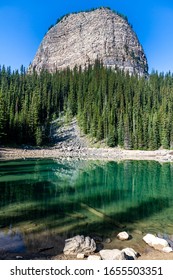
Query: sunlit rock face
x=81, y=38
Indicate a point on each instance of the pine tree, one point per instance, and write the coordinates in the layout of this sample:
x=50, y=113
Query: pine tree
x=2, y=118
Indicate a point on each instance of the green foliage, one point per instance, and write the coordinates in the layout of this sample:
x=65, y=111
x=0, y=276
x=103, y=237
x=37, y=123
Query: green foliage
x=62, y=17
x=27, y=105
x=2, y=117
x=132, y=112
x=122, y=15
x=38, y=136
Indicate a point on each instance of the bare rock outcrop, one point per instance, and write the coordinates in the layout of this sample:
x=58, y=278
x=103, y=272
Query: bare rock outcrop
x=79, y=244
x=81, y=38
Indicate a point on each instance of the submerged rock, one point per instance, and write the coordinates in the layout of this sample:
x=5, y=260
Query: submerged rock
x=19, y=257
x=79, y=244
x=107, y=240
x=167, y=237
x=136, y=231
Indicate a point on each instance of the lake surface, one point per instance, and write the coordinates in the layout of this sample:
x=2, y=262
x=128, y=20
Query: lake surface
x=42, y=202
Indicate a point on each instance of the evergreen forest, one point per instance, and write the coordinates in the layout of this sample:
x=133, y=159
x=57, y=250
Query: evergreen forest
x=110, y=106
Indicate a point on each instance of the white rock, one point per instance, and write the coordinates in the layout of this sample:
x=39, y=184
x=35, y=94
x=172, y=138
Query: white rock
x=123, y=235
x=79, y=244
x=19, y=257
x=167, y=250
x=80, y=256
x=130, y=254
x=114, y=254
x=107, y=240
x=94, y=258
x=155, y=242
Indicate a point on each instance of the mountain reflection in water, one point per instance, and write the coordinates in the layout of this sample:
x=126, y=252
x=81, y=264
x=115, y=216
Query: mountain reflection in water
x=48, y=199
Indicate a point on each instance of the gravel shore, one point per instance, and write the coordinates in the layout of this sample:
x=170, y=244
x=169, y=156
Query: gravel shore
x=68, y=141
x=116, y=154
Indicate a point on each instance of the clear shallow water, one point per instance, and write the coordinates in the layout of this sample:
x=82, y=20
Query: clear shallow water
x=42, y=202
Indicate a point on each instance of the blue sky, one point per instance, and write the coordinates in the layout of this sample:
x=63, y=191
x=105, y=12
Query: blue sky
x=24, y=23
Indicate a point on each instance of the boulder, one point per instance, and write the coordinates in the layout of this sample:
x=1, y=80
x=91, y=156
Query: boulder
x=130, y=254
x=79, y=244
x=168, y=238
x=136, y=231
x=19, y=257
x=123, y=235
x=167, y=250
x=94, y=258
x=156, y=242
x=97, y=238
x=107, y=240
x=80, y=256
x=114, y=254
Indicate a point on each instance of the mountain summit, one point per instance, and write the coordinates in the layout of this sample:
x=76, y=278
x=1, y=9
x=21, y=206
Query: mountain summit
x=81, y=38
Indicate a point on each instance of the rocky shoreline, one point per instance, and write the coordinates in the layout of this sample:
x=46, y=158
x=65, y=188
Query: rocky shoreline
x=86, y=248
x=116, y=154
x=147, y=247
x=69, y=142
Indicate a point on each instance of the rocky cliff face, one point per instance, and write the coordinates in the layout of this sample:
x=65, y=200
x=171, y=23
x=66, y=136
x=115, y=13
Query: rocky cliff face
x=80, y=39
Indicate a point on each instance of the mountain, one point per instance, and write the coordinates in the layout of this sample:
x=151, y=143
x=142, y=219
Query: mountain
x=81, y=38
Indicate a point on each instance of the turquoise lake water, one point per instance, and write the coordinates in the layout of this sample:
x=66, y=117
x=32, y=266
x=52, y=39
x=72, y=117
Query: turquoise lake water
x=46, y=201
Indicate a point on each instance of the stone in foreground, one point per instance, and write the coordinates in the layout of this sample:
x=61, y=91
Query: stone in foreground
x=167, y=250
x=123, y=235
x=114, y=254
x=79, y=244
x=94, y=258
x=130, y=254
x=156, y=242
x=80, y=256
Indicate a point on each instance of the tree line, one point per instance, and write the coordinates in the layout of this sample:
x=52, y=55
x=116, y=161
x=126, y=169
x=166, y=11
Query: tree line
x=88, y=11
x=111, y=106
